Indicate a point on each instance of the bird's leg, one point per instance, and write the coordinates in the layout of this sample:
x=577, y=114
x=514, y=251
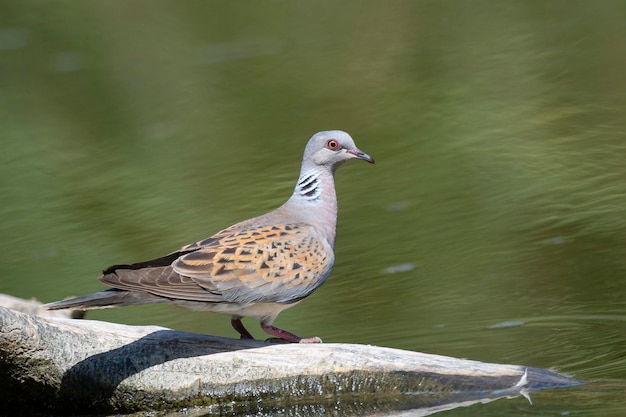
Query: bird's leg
x=289, y=337
x=235, y=321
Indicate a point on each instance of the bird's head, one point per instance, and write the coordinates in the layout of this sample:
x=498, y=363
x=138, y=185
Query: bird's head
x=332, y=148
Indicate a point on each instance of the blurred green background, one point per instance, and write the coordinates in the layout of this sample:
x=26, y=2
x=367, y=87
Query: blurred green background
x=492, y=227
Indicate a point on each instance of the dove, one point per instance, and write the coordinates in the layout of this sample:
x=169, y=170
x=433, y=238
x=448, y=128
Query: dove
x=255, y=268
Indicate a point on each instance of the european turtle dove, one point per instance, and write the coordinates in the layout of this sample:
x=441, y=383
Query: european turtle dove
x=255, y=268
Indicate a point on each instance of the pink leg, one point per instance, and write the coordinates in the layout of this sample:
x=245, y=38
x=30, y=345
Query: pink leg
x=289, y=337
x=235, y=321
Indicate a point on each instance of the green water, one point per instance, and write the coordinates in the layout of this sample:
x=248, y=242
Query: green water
x=492, y=227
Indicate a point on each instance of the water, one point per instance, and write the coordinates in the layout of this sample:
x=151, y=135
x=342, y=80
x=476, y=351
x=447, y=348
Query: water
x=492, y=226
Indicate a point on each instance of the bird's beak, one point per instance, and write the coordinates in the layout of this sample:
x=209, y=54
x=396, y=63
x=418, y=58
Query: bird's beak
x=358, y=154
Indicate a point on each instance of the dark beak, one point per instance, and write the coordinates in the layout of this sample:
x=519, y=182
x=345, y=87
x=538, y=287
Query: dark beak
x=358, y=154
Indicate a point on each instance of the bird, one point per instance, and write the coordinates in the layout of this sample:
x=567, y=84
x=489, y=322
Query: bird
x=255, y=268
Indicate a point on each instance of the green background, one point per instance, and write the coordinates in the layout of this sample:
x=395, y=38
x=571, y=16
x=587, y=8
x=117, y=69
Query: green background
x=492, y=227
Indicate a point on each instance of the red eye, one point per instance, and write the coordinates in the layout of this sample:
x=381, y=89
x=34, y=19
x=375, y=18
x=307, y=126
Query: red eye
x=333, y=145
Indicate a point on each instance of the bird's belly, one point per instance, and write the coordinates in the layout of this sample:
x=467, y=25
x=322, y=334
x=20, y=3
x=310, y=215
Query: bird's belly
x=265, y=312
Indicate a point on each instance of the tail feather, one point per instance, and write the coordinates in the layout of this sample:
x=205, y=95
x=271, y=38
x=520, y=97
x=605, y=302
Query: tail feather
x=106, y=299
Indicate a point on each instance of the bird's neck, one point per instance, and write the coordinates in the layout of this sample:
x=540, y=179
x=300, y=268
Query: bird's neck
x=314, y=200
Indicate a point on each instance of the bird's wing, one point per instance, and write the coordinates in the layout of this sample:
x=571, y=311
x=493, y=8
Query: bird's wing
x=159, y=280
x=278, y=263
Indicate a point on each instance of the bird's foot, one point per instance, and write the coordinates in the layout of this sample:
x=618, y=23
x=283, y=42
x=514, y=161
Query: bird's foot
x=286, y=336
x=276, y=340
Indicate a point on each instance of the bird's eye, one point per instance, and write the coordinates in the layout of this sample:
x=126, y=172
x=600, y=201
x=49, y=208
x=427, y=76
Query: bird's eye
x=333, y=145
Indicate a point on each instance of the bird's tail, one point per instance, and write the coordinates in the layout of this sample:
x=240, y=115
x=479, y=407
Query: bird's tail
x=106, y=299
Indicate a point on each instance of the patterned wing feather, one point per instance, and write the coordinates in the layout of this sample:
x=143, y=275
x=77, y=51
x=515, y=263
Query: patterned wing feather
x=278, y=263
